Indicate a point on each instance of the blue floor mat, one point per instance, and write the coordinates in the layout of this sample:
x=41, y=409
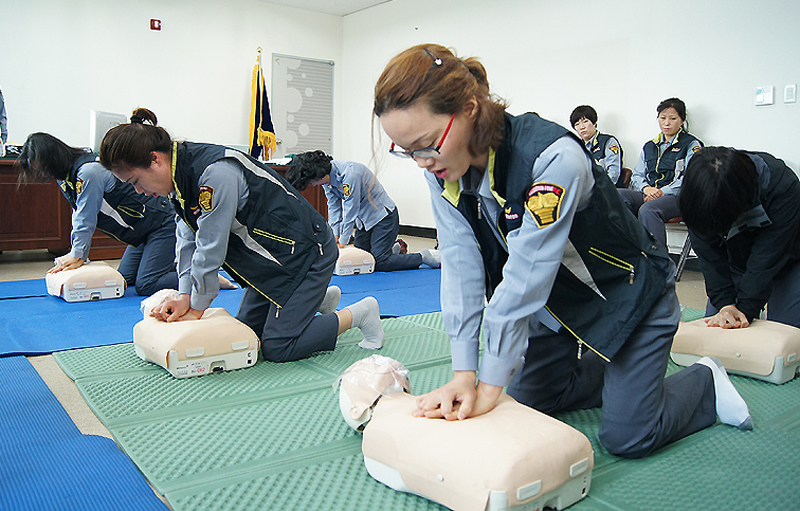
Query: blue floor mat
x=44, y=324
x=22, y=289
x=45, y=461
x=37, y=325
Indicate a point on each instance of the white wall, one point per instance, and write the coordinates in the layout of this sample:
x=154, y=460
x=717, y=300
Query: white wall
x=621, y=56
x=61, y=58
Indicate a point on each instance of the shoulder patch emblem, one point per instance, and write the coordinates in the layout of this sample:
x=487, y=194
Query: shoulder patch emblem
x=346, y=189
x=696, y=148
x=544, y=203
x=614, y=148
x=206, y=198
x=79, y=186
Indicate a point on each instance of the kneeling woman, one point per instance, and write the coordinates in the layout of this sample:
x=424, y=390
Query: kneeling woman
x=100, y=201
x=239, y=213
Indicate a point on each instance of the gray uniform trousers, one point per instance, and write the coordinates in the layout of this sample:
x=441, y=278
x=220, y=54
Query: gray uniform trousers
x=642, y=410
x=295, y=331
x=378, y=241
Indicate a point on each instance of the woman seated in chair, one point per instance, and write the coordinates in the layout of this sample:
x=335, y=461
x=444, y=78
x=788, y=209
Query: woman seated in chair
x=742, y=209
x=606, y=150
x=657, y=177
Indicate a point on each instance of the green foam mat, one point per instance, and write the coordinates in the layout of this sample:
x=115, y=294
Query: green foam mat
x=272, y=436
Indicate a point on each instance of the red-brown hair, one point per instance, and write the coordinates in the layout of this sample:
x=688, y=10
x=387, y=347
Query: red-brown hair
x=445, y=83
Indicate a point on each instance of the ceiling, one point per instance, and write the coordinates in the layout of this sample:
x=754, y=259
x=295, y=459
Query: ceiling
x=335, y=7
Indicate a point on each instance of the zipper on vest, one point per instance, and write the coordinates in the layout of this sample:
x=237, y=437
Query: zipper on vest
x=614, y=261
x=320, y=248
x=275, y=237
x=479, y=207
x=277, y=311
x=580, y=341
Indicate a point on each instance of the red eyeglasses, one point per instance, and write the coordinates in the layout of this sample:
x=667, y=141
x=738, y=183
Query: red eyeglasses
x=425, y=152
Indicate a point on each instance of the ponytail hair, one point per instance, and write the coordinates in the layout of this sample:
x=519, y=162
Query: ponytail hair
x=129, y=145
x=433, y=75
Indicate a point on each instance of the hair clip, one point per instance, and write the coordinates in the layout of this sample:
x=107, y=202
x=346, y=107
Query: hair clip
x=436, y=60
x=135, y=119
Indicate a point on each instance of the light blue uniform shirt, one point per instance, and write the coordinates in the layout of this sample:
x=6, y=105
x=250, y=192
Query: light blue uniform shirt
x=639, y=181
x=201, y=253
x=355, y=199
x=94, y=181
x=534, y=259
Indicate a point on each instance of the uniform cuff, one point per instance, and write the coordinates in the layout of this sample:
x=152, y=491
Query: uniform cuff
x=464, y=356
x=185, y=285
x=496, y=371
x=79, y=254
x=201, y=302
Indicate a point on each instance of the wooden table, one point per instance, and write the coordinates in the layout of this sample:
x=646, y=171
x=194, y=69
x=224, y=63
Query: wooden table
x=37, y=216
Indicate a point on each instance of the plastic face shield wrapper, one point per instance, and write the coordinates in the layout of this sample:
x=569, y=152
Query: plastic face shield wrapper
x=363, y=384
x=765, y=350
x=510, y=458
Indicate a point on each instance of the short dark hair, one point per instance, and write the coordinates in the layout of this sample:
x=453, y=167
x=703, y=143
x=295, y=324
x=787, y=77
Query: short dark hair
x=719, y=185
x=307, y=167
x=44, y=157
x=581, y=112
x=675, y=103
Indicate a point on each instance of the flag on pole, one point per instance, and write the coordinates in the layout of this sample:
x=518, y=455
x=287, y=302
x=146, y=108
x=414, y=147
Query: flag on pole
x=262, y=132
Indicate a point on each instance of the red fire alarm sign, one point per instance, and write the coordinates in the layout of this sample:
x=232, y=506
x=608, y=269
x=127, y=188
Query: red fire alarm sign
x=155, y=24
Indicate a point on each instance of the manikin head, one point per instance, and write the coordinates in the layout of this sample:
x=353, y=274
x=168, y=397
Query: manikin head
x=365, y=382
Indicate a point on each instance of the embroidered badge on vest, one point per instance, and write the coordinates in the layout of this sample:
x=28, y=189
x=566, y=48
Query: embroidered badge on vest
x=614, y=148
x=346, y=189
x=544, y=203
x=206, y=198
x=79, y=186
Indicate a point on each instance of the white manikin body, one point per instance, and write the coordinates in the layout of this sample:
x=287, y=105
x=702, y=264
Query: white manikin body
x=92, y=281
x=510, y=458
x=354, y=261
x=765, y=350
x=214, y=343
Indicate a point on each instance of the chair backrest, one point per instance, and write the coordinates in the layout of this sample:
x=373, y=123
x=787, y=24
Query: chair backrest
x=624, y=180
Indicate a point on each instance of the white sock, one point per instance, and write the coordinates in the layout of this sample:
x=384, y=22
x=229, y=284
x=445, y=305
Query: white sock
x=367, y=318
x=431, y=258
x=332, y=296
x=731, y=408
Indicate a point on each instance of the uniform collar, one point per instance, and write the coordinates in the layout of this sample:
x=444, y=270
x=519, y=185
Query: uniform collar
x=660, y=138
x=452, y=190
x=593, y=141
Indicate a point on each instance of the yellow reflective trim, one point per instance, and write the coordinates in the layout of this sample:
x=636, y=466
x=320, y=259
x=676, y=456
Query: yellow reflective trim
x=610, y=259
x=577, y=336
x=452, y=192
x=174, y=182
x=490, y=169
x=273, y=236
x=229, y=269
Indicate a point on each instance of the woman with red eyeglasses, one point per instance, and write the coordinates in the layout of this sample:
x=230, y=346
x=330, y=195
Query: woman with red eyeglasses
x=576, y=299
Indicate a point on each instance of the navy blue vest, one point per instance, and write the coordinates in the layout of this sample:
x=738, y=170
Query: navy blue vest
x=136, y=215
x=598, y=151
x=627, y=265
x=276, y=216
x=661, y=170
